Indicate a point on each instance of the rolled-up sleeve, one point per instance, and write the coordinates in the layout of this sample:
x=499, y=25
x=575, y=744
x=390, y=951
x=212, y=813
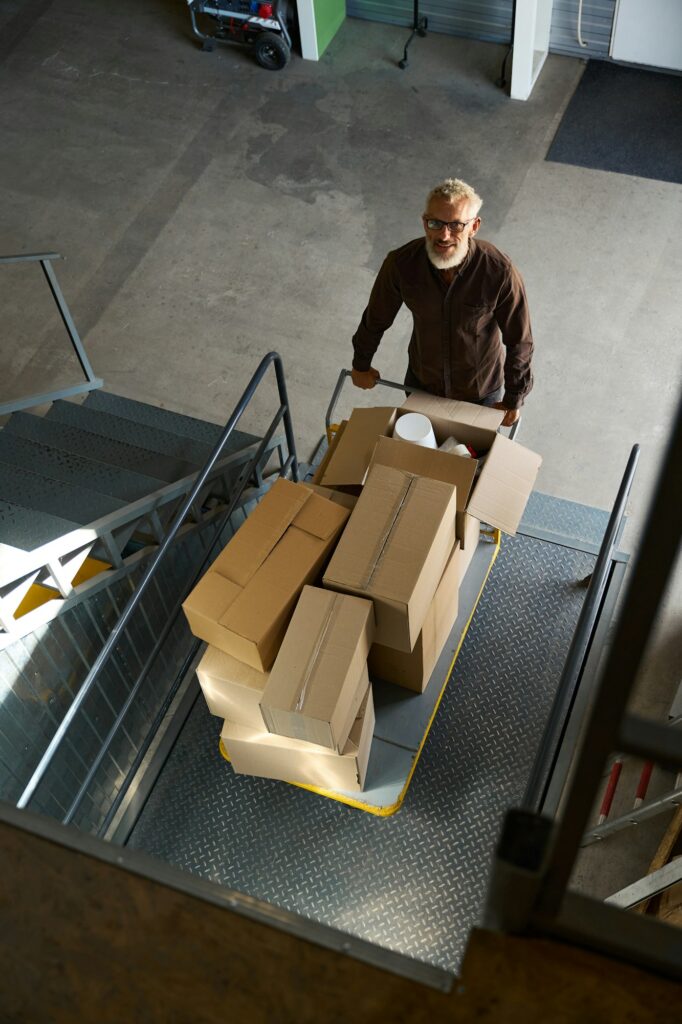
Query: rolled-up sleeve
x=384, y=302
x=513, y=319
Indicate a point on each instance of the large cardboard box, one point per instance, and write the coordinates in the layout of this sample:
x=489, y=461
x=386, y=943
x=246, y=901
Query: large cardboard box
x=394, y=550
x=243, y=604
x=318, y=680
x=258, y=752
x=232, y=689
x=413, y=670
x=498, y=494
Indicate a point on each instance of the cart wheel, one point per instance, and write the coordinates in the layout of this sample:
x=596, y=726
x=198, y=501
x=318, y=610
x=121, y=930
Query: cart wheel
x=271, y=51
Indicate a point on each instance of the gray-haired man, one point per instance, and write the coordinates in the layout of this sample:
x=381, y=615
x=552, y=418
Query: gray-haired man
x=471, y=337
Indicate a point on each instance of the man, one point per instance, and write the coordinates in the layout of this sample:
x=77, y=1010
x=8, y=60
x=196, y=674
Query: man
x=471, y=336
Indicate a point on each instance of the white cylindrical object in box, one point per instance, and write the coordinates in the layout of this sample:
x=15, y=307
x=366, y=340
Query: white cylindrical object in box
x=415, y=427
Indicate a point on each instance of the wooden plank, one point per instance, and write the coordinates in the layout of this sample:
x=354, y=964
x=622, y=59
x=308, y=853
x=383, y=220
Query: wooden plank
x=663, y=854
x=87, y=939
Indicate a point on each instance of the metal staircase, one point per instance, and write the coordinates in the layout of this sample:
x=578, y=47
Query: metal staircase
x=87, y=492
x=111, y=511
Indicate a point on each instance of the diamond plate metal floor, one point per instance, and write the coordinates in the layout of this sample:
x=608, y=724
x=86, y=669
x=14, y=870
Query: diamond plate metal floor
x=414, y=882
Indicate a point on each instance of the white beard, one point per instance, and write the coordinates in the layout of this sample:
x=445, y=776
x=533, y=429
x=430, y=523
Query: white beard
x=447, y=262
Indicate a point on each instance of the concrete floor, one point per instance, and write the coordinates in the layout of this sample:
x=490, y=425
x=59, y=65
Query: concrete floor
x=210, y=211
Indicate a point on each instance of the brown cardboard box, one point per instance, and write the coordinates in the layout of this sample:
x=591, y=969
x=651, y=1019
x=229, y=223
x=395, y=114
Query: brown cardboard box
x=254, y=752
x=497, y=495
x=413, y=670
x=244, y=602
x=232, y=689
x=394, y=549
x=318, y=680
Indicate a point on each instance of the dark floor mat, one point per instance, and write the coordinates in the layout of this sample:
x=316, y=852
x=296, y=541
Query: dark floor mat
x=625, y=120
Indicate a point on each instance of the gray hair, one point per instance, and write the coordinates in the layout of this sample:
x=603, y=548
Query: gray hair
x=452, y=190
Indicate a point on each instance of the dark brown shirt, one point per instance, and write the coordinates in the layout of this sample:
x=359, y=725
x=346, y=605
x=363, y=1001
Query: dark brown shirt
x=469, y=338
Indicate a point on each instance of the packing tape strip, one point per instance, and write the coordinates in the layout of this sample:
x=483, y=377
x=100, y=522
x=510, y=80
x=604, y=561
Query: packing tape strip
x=384, y=538
x=327, y=624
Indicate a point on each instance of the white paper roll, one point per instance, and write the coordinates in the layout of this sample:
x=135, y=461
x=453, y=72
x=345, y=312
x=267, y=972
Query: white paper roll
x=415, y=427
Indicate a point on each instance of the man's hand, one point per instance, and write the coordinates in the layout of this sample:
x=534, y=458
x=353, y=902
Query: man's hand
x=510, y=415
x=365, y=378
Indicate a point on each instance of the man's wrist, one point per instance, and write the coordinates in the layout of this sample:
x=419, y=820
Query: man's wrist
x=362, y=365
x=511, y=401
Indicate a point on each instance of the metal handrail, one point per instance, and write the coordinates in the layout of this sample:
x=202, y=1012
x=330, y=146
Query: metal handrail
x=290, y=463
x=513, y=430
x=551, y=737
x=91, y=382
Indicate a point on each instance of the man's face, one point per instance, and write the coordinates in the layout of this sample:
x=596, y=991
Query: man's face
x=446, y=246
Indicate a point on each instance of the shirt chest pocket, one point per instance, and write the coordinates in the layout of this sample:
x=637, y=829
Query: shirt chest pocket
x=473, y=318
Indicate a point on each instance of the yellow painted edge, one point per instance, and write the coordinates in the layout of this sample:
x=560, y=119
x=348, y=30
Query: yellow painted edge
x=38, y=594
x=331, y=430
x=385, y=812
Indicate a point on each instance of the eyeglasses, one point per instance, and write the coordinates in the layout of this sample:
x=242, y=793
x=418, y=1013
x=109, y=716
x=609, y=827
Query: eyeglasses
x=456, y=226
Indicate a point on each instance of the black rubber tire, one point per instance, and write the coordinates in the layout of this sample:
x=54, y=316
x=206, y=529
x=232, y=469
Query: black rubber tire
x=271, y=51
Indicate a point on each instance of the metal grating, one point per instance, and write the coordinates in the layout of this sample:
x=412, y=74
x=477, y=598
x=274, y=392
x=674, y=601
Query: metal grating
x=414, y=882
x=575, y=523
x=40, y=675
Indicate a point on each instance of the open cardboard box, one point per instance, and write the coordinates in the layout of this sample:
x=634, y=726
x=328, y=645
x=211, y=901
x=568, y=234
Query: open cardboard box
x=394, y=550
x=243, y=604
x=318, y=680
x=263, y=753
x=497, y=495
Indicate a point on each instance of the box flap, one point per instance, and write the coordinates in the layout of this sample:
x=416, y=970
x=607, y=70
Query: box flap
x=258, y=535
x=320, y=517
x=504, y=486
x=457, y=412
x=322, y=468
x=266, y=603
x=450, y=469
x=212, y=597
x=348, y=501
x=351, y=456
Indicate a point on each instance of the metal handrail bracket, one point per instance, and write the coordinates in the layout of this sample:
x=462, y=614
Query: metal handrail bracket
x=91, y=382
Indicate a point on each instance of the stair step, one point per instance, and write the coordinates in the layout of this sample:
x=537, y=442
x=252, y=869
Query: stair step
x=94, y=446
x=164, y=419
x=27, y=529
x=74, y=469
x=44, y=494
x=119, y=429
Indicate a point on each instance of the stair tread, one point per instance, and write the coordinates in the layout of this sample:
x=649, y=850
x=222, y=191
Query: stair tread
x=165, y=419
x=119, y=428
x=93, y=446
x=27, y=529
x=64, y=500
x=63, y=465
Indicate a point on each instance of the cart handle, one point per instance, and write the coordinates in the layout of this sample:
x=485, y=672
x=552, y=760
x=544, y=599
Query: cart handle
x=513, y=430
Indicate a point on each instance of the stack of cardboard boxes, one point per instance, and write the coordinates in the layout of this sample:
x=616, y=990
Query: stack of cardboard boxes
x=389, y=528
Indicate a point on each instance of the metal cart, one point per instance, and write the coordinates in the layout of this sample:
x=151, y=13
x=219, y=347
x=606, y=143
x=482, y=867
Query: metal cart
x=401, y=889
